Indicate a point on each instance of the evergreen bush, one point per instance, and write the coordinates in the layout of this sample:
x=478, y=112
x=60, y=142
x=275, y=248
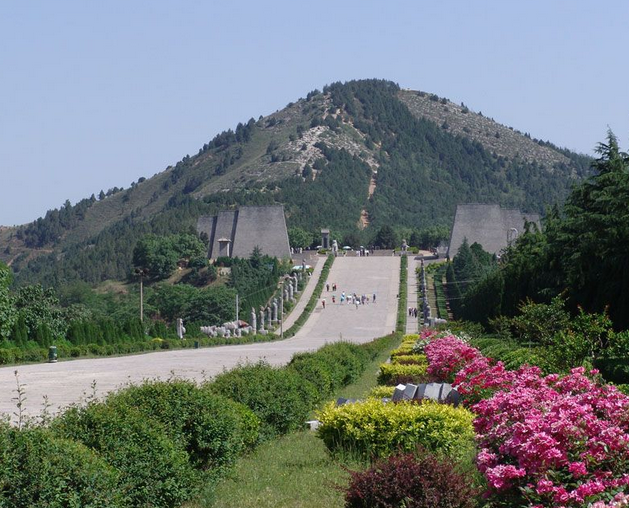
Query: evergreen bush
x=374, y=429
x=280, y=397
x=154, y=470
x=40, y=470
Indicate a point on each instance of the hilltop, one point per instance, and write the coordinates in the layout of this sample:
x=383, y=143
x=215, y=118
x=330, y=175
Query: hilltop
x=353, y=157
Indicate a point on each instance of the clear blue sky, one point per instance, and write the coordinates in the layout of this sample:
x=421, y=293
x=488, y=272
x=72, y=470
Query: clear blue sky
x=97, y=94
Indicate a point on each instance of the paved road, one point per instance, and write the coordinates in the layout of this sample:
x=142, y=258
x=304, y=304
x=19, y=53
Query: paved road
x=67, y=382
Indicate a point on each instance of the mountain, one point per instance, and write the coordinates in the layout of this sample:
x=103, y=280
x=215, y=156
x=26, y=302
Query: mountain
x=353, y=157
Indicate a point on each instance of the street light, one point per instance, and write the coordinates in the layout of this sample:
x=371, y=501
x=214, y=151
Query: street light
x=141, y=272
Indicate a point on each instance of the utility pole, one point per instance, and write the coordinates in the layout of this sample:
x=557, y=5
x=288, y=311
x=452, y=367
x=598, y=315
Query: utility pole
x=237, y=306
x=282, y=311
x=141, y=272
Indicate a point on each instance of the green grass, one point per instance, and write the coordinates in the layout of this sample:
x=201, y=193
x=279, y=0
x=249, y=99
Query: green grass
x=293, y=471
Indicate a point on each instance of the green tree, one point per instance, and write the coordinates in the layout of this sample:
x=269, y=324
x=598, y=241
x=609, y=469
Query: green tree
x=8, y=312
x=299, y=238
x=386, y=238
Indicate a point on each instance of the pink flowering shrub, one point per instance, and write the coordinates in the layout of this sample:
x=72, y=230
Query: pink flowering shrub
x=447, y=355
x=545, y=441
x=618, y=501
x=554, y=441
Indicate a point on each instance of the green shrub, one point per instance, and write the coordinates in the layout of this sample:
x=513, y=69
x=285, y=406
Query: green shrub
x=315, y=370
x=212, y=429
x=278, y=396
x=7, y=356
x=154, y=470
x=623, y=388
x=374, y=429
x=39, y=469
x=381, y=392
x=332, y=366
x=390, y=373
x=409, y=360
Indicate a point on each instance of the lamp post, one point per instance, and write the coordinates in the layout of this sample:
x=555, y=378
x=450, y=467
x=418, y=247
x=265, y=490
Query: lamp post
x=141, y=272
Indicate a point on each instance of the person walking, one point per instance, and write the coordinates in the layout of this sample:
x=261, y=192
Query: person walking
x=323, y=303
x=374, y=298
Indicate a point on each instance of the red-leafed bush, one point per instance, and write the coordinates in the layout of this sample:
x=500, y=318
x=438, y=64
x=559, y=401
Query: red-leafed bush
x=412, y=480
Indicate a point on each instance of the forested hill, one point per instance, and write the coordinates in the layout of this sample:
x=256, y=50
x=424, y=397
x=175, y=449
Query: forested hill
x=352, y=157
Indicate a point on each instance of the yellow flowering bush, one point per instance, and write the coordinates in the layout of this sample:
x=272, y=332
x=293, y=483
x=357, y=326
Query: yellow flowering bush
x=393, y=373
x=375, y=429
x=409, y=360
x=380, y=392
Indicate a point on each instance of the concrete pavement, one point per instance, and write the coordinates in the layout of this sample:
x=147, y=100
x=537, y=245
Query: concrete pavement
x=70, y=381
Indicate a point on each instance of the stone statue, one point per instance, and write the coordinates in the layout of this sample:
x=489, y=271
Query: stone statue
x=180, y=328
x=404, y=245
x=254, y=327
x=335, y=247
x=275, y=310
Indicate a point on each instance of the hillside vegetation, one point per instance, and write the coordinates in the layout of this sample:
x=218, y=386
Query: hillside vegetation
x=317, y=157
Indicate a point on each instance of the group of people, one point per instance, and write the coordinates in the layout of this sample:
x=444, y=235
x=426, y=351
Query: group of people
x=412, y=312
x=350, y=298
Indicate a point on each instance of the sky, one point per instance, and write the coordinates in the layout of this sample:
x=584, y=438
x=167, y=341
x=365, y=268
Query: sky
x=94, y=95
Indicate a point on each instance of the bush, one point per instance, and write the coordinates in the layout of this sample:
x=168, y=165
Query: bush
x=212, y=429
x=391, y=372
x=278, y=396
x=412, y=481
x=7, y=356
x=409, y=360
x=39, y=469
x=371, y=428
x=381, y=392
x=154, y=471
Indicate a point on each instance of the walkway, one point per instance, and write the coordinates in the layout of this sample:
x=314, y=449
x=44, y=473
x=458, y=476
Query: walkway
x=70, y=381
x=305, y=295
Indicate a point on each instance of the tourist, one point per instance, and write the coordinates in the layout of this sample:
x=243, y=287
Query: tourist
x=327, y=287
x=323, y=303
x=374, y=298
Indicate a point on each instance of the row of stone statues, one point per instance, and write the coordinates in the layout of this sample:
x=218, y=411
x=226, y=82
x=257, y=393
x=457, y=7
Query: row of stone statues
x=260, y=322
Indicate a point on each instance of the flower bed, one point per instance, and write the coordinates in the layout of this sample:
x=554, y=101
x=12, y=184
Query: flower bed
x=560, y=441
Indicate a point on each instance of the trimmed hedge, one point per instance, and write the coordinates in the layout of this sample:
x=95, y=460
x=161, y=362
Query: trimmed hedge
x=412, y=359
x=381, y=392
x=393, y=374
x=374, y=429
x=41, y=470
x=10, y=356
x=402, y=296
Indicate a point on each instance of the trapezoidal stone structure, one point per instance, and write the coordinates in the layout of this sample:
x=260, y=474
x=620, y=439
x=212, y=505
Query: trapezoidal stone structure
x=493, y=227
x=235, y=233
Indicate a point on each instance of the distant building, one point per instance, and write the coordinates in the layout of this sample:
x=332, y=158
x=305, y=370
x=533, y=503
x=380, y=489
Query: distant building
x=489, y=225
x=235, y=233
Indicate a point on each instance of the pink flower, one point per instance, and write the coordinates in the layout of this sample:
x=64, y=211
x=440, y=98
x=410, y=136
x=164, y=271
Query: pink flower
x=577, y=469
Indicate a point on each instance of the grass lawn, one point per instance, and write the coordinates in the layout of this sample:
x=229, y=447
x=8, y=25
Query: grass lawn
x=293, y=471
